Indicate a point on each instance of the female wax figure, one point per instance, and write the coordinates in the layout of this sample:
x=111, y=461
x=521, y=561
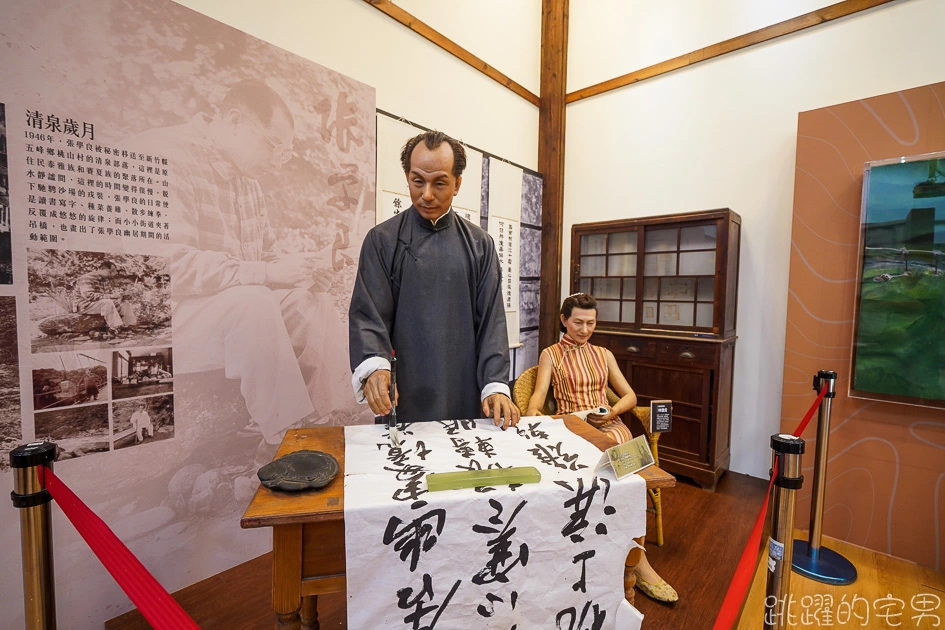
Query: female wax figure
x=580, y=373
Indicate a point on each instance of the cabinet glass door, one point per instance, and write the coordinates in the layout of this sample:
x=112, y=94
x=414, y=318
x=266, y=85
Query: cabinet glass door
x=608, y=271
x=679, y=268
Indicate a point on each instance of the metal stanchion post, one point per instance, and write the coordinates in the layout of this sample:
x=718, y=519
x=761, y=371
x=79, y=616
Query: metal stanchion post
x=786, y=456
x=32, y=498
x=810, y=558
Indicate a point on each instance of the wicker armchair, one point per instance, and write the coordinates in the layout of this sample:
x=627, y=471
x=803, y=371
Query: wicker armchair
x=522, y=391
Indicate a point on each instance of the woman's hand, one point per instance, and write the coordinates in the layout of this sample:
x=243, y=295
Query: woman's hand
x=532, y=411
x=599, y=420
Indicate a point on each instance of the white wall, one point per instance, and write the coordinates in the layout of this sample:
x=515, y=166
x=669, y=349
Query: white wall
x=723, y=134
x=638, y=33
x=413, y=77
x=506, y=35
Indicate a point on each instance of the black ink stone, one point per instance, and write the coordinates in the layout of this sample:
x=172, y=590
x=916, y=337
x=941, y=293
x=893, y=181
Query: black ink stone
x=302, y=470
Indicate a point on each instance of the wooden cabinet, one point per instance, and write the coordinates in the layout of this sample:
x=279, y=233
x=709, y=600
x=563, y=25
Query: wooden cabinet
x=667, y=288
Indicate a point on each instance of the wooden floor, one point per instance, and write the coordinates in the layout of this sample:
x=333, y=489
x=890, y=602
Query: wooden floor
x=704, y=534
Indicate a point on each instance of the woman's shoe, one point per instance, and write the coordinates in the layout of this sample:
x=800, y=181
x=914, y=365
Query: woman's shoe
x=662, y=592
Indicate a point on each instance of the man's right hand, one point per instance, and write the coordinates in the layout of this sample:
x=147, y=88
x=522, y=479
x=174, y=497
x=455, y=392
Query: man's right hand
x=377, y=392
x=291, y=271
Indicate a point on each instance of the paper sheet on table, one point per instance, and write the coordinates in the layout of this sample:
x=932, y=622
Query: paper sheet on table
x=533, y=555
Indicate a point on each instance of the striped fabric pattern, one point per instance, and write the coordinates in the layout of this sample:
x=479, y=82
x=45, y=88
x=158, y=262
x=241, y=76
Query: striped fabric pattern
x=579, y=379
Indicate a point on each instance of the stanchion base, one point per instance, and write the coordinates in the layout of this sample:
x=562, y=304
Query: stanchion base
x=828, y=567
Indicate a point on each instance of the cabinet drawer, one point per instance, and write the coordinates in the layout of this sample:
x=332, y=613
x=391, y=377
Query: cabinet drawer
x=629, y=347
x=683, y=352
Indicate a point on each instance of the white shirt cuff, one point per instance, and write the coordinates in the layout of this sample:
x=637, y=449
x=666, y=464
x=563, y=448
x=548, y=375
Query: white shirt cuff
x=495, y=388
x=252, y=272
x=362, y=372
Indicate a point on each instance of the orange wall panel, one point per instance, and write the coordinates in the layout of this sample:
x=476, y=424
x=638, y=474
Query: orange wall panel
x=885, y=485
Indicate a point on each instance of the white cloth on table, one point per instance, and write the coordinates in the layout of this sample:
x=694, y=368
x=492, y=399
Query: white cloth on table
x=536, y=555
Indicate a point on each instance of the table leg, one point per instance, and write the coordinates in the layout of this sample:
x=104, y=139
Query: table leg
x=310, y=613
x=287, y=622
x=629, y=570
x=287, y=575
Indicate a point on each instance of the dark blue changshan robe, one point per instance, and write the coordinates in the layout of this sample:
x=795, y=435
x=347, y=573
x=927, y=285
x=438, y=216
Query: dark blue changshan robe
x=433, y=293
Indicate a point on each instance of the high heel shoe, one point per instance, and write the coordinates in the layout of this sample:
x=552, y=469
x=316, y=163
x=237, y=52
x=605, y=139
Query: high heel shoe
x=662, y=591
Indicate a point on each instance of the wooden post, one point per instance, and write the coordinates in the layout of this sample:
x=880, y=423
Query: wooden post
x=551, y=118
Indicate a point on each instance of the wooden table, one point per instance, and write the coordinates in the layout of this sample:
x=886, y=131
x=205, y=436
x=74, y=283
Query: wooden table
x=308, y=533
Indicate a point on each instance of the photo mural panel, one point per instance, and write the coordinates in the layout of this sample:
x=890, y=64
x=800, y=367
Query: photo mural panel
x=6, y=251
x=898, y=350
x=11, y=426
x=186, y=204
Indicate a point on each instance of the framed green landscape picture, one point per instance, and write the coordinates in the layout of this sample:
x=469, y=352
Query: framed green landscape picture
x=899, y=334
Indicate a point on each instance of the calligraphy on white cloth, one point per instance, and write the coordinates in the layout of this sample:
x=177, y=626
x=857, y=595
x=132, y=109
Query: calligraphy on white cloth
x=545, y=555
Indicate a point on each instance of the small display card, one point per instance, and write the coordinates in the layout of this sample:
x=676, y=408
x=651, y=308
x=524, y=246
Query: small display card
x=661, y=416
x=628, y=457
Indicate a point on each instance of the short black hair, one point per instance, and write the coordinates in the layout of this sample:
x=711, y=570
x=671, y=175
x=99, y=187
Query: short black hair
x=432, y=140
x=258, y=99
x=107, y=264
x=578, y=300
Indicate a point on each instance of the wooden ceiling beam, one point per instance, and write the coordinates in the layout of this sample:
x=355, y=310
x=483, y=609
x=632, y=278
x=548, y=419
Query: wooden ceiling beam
x=423, y=30
x=787, y=27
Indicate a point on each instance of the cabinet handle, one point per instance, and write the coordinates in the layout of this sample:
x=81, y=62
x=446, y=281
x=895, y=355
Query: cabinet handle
x=633, y=350
x=686, y=355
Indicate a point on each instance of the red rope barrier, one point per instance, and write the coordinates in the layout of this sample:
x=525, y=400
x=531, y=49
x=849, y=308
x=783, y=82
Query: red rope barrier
x=152, y=600
x=741, y=581
x=810, y=413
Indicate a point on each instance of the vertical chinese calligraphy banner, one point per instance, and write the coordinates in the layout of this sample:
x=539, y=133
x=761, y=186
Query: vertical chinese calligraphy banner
x=184, y=205
x=393, y=195
x=505, y=212
x=466, y=203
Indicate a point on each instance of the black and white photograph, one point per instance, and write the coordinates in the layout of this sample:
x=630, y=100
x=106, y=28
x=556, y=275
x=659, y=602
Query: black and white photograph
x=484, y=193
x=531, y=199
x=77, y=431
x=530, y=251
x=69, y=379
x=142, y=372
x=142, y=420
x=528, y=293
x=83, y=300
x=6, y=254
x=11, y=427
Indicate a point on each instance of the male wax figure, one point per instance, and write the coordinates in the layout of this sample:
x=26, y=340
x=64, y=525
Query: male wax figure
x=428, y=287
x=238, y=304
x=95, y=295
